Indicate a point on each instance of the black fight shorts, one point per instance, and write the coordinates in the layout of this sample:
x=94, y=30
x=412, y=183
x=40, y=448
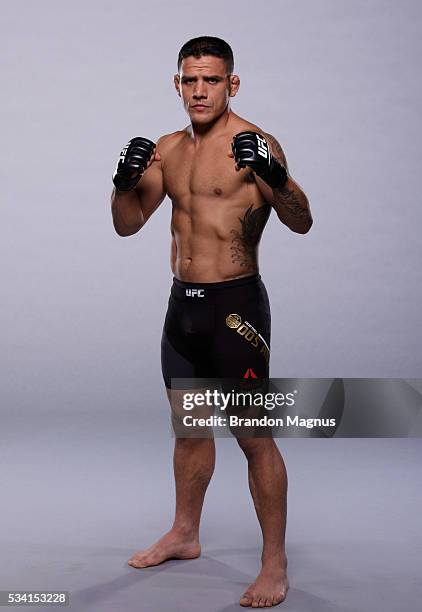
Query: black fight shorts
x=217, y=330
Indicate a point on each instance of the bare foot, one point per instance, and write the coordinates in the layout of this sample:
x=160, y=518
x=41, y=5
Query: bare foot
x=269, y=589
x=171, y=546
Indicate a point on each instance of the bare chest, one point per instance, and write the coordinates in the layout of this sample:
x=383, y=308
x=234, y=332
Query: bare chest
x=206, y=172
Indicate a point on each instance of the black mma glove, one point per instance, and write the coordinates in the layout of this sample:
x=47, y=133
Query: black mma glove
x=251, y=149
x=132, y=163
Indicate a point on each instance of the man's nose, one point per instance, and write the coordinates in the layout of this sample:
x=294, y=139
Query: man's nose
x=199, y=90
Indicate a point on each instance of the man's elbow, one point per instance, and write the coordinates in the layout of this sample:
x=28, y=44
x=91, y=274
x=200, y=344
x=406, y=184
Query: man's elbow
x=125, y=231
x=304, y=229
x=122, y=233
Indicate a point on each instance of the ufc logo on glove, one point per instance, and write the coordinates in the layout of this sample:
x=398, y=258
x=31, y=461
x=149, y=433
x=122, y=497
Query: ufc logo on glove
x=262, y=146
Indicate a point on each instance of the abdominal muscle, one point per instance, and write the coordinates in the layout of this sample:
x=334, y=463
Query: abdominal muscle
x=207, y=242
x=210, y=267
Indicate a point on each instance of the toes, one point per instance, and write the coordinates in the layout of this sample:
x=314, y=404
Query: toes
x=246, y=599
x=261, y=603
x=268, y=603
x=137, y=562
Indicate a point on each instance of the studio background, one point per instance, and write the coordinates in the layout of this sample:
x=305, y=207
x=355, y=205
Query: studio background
x=338, y=84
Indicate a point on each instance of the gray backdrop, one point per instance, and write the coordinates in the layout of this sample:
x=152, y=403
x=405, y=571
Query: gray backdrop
x=338, y=83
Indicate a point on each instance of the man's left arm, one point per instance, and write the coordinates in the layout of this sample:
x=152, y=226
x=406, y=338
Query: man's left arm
x=288, y=200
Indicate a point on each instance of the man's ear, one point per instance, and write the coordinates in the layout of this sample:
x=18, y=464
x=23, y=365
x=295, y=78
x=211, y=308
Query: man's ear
x=234, y=85
x=176, y=80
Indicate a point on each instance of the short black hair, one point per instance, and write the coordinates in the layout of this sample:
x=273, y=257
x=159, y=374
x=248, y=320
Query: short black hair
x=207, y=45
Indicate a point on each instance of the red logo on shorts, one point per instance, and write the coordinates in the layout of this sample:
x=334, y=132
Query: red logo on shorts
x=250, y=374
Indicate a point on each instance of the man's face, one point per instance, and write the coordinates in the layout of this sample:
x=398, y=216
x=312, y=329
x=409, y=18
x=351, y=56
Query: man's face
x=205, y=87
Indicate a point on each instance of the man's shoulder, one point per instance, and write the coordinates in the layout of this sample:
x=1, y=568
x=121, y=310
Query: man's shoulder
x=243, y=125
x=169, y=140
x=239, y=124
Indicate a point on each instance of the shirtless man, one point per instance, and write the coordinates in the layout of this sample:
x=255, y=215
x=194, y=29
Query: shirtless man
x=223, y=175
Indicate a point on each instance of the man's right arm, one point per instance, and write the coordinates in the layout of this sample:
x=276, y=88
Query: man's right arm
x=131, y=209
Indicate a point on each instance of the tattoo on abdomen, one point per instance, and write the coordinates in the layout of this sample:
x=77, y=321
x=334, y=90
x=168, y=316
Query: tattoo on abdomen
x=244, y=243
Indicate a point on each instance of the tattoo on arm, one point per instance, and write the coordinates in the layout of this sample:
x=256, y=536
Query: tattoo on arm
x=288, y=199
x=244, y=243
x=276, y=150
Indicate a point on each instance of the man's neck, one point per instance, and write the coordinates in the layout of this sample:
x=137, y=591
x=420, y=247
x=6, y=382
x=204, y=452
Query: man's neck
x=200, y=132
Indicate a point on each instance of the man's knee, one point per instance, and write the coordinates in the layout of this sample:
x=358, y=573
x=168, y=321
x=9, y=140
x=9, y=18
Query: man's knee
x=255, y=446
x=191, y=444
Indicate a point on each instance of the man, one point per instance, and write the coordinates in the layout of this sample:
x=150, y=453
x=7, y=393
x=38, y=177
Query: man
x=223, y=175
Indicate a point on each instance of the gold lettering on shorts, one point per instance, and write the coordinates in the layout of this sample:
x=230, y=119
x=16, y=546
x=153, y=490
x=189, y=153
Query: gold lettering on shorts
x=249, y=333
